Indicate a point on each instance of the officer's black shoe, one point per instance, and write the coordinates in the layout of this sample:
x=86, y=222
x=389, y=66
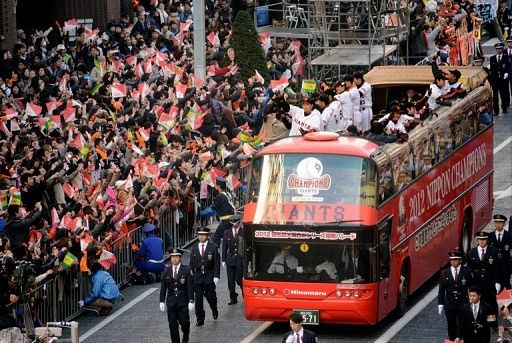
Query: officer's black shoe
x=215, y=315
x=199, y=324
x=232, y=302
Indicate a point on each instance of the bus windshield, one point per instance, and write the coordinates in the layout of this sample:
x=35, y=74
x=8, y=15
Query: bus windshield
x=324, y=180
x=350, y=259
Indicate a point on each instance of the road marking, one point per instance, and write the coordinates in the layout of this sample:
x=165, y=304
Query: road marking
x=503, y=194
x=116, y=314
x=502, y=145
x=256, y=332
x=413, y=312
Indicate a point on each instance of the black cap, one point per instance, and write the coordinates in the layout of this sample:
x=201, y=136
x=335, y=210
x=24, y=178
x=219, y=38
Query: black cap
x=499, y=45
x=454, y=255
x=499, y=218
x=479, y=59
x=203, y=231
x=482, y=235
x=235, y=218
x=176, y=252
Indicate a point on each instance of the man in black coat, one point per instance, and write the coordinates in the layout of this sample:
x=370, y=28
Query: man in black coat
x=476, y=319
x=232, y=256
x=298, y=333
x=177, y=293
x=357, y=267
x=499, y=67
x=501, y=240
x=482, y=261
x=454, y=284
x=205, y=267
x=17, y=227
x=222, y=207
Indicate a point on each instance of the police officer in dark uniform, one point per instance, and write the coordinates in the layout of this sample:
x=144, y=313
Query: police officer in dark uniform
x=476, y=319
x=205, y=268
x=501, y=240
x=499, y=78
x=482, y=261
x=453, y=291
x=223, y=207
x=177, y=293
x=232, y=256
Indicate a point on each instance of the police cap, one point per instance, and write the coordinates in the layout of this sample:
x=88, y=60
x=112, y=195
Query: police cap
x=148, y=227
x=203, y=231
x=235, y=218
x=176, y=252
x=454, y=255
x=499, y=218
x=482, y=235
x=499, y=46
x=221, y=180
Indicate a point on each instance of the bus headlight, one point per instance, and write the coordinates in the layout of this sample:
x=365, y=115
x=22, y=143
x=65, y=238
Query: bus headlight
x=263, y=291
x=272, y=291
x=347, y=294
x=356, y=294
x=339, y=294
x=254, y=290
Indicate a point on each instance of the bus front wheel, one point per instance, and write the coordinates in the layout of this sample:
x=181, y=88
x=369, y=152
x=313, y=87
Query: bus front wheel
x=465, y=244
x=403, y=296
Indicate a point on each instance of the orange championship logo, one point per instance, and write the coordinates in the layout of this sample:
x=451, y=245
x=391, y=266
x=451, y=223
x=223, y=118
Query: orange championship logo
x=309, y=181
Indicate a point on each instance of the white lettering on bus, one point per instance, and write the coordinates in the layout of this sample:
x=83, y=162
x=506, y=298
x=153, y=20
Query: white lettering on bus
x=435, y=227
x=447, y=182
x=313, y=293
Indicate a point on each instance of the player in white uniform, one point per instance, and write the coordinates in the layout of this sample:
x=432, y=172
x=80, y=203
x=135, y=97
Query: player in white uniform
x=347, y=112
x=355, y=97
x=305, y=119
x=365, y=91
x=330, y=113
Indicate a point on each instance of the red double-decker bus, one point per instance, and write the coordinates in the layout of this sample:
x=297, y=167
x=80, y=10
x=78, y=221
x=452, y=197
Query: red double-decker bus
x=344, y=229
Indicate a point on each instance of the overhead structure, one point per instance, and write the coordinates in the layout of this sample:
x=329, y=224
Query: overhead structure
x=346, y=35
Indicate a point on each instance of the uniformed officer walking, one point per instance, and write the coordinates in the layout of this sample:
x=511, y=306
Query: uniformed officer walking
x=223, y=207
x=501, y=240
x=205, y=268
x=453, y=291
x=177, y=293
x=482, y=261
x=232, y=256
x=476, y=319
x=499, y=78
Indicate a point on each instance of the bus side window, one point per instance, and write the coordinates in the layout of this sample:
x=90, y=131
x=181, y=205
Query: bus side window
x=385, y=184
x=385, y=249
x=467, y=126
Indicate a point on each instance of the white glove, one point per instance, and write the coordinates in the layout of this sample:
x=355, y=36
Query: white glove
x=440, y=309
x=215, y=280
x=224, y=264
x=81, y=303
x=190, y=307
x=498, y=287
x=162, y=307
x=505, y=76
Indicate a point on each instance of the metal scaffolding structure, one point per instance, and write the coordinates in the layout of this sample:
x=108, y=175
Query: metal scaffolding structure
x=345, y=35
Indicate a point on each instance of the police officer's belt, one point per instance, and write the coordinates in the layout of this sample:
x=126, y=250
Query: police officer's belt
x=202, y=269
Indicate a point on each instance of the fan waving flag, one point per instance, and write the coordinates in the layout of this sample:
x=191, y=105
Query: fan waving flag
x=181, y=90
x=33, y=110
x=258, y=77
x=70, y=24
x=69, y=114
x=279, y=85
x=52, y=105
x=107, y=259
x=143, y=90
x=265, y=41
x=118, y=90
x=131, y=60
x=214, y=40
x=69, y=260
x=166, y=120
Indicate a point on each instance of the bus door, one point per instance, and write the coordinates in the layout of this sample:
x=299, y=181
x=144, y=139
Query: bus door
x=384, y=249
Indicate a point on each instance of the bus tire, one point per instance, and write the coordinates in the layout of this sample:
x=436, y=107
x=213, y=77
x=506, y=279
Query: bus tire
x=465, y=239
x=403, y=292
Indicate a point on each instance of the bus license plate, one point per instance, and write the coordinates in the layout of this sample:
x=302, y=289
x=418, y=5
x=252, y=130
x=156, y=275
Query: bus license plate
x=311, y=317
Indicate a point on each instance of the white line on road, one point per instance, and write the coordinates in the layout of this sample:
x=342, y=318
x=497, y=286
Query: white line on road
x=256, y=332
x=413, y=312
x=502, y=145
x=116, y=314
x=503, y=194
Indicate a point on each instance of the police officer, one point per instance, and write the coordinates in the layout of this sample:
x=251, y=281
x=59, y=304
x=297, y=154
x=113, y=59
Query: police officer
x=482, y=261
x=501, y=240
x=453, y=291
x=223, y=207
x=232, y=256
x=177, y=292
x=499, y=68
x=150, y=256
x=476, y=319
x=205, y=268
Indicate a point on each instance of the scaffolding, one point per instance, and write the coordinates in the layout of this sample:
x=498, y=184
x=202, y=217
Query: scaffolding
x=347, y=35
x=341, y=36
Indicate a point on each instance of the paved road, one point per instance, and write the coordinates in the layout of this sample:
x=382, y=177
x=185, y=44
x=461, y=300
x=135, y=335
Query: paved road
x=137, y=318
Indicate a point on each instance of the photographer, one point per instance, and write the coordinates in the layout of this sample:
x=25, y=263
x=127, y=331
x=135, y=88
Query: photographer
x=6, y=298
